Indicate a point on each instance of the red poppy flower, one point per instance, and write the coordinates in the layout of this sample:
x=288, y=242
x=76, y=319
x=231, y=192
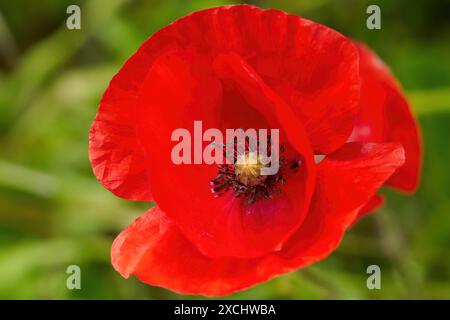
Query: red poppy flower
x=237, y=67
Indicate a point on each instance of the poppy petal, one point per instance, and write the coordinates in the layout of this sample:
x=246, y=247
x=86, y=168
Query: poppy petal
x=385, y=116
x=346, y=180
x=116, y=156
x=322, y=85
x=153, y=248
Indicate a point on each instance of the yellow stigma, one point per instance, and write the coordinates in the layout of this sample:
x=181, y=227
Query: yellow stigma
x=248, y=169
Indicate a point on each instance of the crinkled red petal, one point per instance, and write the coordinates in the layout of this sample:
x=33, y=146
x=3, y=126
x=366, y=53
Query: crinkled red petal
x=385, y=116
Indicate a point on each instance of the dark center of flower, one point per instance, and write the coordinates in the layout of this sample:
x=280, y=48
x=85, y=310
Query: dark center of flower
x=244, y=178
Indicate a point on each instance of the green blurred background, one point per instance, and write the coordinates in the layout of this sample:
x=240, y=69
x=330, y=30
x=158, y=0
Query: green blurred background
x=54, y=213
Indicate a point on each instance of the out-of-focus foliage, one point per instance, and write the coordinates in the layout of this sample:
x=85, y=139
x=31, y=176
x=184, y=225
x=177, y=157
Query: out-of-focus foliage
x=53, y=213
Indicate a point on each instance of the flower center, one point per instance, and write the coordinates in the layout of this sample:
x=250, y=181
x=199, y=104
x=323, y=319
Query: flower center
x=248, y=169
x=245, y=180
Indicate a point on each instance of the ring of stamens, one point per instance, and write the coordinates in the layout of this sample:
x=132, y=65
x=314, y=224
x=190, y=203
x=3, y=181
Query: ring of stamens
x=244, y=178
